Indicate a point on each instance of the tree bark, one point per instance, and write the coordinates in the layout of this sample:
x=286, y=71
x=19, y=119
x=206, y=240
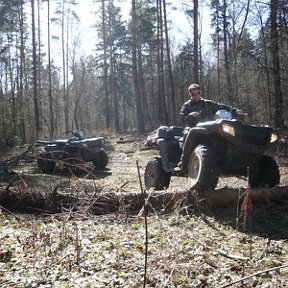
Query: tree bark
x=227, y=65
x=35, y=81
x=50, y=95
x=169, y=66
x=111, y=202
x=162, y=105
x=196, y=42
x=278, y=94
x=140, y=119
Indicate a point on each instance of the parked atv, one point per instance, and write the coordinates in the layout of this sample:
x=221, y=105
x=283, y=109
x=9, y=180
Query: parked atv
x=213, y=149
x=72, y=152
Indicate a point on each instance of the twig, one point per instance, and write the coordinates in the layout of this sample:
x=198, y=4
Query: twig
x=13, y=214
x=264, y=252
x=210, y=224
x=255, y=274
x=230, y=256
x=146, y=226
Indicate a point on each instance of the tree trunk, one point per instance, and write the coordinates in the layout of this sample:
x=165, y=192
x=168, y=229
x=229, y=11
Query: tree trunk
x=169, y=64
x=40, y=104
x=105, y=64
x=35, y=82
x=141, y=82
x=140, y=120
x=227, y=66
x=196, y=42
x=21, y=76
x=111, y=202
x=278, y=95
x=50, y=95
x=65, y=92
x=162, y=105
x=267, y=103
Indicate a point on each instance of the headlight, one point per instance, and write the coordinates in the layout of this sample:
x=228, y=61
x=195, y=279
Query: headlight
x=228, y=129
x=274, y=137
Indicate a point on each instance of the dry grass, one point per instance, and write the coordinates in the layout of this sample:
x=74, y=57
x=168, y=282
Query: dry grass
x=199, y=246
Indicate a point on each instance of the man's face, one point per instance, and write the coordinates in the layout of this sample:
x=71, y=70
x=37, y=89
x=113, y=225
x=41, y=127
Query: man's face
x=195, y=94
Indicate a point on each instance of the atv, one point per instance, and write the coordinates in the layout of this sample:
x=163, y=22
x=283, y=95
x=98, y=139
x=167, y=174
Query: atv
x=223, y=147
x=71, y=153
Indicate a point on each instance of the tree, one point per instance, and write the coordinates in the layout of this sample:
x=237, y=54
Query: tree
x=105, y=66
x=196, y=42
x=111, y=57
x=35, y=74
x=162, y=101
x=278, y=96
x=169, y=65
x=50, y=93
x=135, y=68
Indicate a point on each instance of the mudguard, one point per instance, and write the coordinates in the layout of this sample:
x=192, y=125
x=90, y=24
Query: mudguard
x=195, y=136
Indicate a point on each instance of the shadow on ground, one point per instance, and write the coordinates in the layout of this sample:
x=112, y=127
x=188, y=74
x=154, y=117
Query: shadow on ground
x=267, y=220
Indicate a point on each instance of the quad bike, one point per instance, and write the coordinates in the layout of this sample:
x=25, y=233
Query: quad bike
x=220, y=148
x=72, y=152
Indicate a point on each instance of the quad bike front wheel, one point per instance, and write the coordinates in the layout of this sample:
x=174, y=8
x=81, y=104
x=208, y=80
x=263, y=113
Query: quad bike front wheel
x=201, y=169
x=45, y=163
x=101, y=160
x=155, y=177
x=266, y=173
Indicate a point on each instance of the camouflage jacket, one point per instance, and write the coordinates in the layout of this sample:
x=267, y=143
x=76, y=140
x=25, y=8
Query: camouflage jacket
x=206, y=108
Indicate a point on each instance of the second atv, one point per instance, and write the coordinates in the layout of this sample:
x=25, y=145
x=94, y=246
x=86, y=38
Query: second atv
x=72, y=153
x=213, y=149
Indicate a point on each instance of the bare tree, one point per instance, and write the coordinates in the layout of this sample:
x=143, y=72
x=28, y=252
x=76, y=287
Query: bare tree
x=35, y=82
x=50, y=94
x=105, y=66
x=278, y=95
x=196, y=42
x=169, y=65
x=135, y=27
x=162, y=105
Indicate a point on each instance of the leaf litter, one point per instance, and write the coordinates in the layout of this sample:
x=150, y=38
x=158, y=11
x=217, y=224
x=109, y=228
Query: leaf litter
x=198, y=246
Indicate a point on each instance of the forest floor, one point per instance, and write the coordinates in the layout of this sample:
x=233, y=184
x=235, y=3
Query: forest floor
x=188, y=245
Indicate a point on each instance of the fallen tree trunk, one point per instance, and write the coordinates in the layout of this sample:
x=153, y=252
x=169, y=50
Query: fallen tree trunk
x=157, y=201
x=226, y=196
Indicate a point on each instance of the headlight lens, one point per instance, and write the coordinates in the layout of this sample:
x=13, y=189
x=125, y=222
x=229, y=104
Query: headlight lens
x=228, y=129
x=274, y=137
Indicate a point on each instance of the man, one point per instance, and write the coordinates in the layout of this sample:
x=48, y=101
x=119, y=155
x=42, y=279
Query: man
x=197, y=109
x=193, y=111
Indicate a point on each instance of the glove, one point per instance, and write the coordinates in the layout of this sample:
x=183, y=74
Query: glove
x=240, y=112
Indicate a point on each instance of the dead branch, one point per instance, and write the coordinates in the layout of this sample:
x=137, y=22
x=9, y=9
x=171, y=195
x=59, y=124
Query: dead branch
x=255, y=274
x=231, y=256
x=111, y=202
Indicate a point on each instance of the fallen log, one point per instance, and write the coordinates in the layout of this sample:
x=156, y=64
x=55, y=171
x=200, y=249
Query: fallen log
x=226, y=196
x=132, y=202
x=19, y=199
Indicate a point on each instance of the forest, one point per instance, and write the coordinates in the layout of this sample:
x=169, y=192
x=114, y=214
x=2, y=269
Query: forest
x=134, y=79
x=99, y=227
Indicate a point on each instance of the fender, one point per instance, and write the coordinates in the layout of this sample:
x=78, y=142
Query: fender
x=195, y=136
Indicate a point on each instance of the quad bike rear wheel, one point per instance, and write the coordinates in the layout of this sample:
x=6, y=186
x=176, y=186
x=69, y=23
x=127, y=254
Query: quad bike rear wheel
x=45, y=163
x=155, y=177
x=201, y=169
x=266, y=173
x=101, y=160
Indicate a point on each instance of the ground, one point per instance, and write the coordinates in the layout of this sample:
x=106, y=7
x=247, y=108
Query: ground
x=188, y=246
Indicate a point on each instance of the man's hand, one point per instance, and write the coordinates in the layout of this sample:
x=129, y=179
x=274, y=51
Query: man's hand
x=195, y=114
x=241, y=113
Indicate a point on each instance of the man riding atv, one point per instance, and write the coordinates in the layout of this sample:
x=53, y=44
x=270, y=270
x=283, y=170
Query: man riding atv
x=208, y=149
x=198, y=109
x=195, y=110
